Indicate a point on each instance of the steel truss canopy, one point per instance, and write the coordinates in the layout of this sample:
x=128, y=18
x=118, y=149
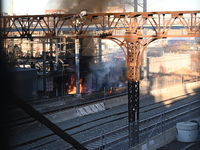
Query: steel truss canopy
x=103, y=24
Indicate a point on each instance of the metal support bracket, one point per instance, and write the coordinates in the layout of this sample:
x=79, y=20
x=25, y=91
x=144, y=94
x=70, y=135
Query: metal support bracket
x=135, y=48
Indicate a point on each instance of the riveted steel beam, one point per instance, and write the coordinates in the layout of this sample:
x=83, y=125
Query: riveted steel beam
x=53, y=26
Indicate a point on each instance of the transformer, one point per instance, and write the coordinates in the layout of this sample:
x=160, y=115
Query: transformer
x=24, y=82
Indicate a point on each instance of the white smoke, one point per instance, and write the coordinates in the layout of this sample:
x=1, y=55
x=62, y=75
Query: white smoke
x=104, y=76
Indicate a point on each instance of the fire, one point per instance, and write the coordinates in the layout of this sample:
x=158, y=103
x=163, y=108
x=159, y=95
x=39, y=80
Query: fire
x=72, y=89
x=111, y=90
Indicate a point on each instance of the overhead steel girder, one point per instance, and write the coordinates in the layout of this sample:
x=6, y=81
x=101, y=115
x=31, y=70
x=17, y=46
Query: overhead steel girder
x=101, y=24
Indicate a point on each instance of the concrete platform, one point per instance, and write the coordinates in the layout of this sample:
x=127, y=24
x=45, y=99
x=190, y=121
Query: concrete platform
x=195, y=146
x=176, y=145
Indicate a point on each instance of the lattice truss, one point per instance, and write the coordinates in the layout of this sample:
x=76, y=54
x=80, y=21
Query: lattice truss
x=103, y=24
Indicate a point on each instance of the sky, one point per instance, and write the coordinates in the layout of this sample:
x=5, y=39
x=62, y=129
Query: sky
x=32, y=6
x=35, y=7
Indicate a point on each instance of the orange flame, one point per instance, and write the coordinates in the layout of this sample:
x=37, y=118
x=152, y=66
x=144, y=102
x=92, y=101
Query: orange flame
x=111, y=90
x=72, y=89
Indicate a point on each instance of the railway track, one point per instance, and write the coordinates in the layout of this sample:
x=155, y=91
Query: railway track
x=103, y=130
x=25, y=120
x=89, y=125
x=61, y=104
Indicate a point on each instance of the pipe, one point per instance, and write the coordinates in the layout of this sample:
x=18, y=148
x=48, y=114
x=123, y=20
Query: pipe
x=77, y=65
x=44, y=68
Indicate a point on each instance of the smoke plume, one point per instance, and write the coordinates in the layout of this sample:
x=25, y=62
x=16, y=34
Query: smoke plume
x=105, y=75
x=75, y=6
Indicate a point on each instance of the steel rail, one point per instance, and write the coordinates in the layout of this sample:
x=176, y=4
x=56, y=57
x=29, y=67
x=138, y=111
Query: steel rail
x=125, y=127
x=28, y=120
x=121, y=133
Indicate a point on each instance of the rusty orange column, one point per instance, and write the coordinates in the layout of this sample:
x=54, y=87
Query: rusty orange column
x=135, y=46
x=133, y=75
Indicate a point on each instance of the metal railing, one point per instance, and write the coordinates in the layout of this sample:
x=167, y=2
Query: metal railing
x=165, y=120
x=149, y=127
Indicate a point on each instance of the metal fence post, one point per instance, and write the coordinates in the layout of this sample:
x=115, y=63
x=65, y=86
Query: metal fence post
x=102, y=142
x=147, y=128
x=177, y=114
x=189, y=114
x=162, y=121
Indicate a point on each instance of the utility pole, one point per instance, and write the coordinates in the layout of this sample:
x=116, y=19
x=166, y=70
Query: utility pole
x=144, y=5
x=44, y=68
x=11, y=7
x=77, y=66
x=135, y=5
